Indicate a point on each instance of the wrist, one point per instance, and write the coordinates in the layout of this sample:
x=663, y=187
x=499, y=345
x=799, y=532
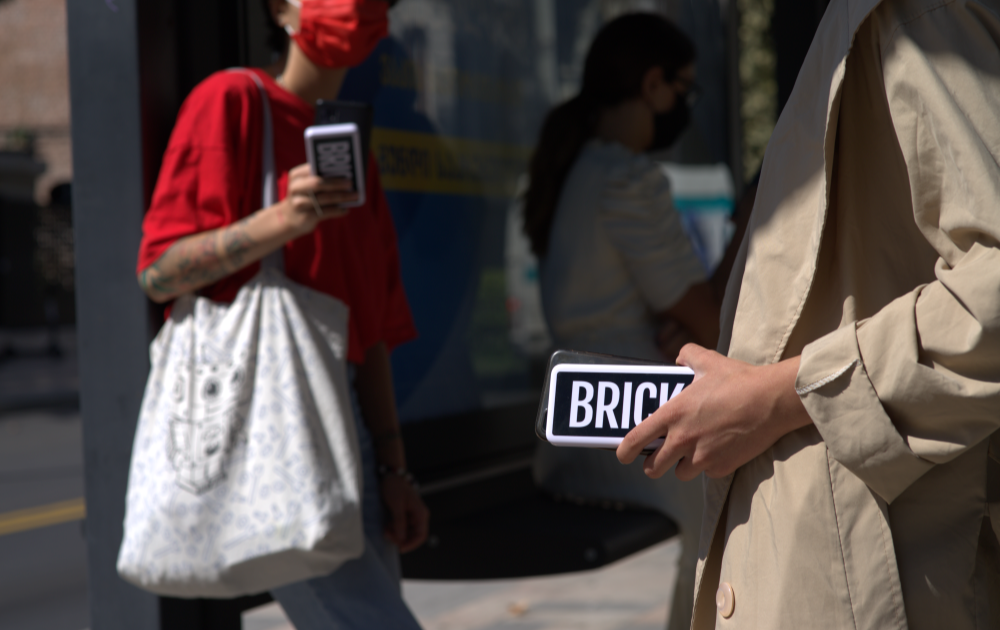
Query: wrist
x=390, y=455
x=789, y=405
x=400, y=472
x=282, y=223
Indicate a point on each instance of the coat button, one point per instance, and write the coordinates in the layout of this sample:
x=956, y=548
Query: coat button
x=725, y=600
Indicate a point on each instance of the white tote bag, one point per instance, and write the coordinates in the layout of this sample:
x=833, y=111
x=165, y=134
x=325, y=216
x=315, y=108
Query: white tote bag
x=245, y=471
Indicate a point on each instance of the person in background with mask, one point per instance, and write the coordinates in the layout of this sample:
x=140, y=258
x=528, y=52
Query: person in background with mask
x=205, y=232
x=618, y=274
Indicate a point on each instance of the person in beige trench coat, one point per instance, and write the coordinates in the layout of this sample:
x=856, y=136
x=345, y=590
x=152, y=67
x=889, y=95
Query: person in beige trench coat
x=849, y=437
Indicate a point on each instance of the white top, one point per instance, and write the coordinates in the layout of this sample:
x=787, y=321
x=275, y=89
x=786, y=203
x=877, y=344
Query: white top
x=617, y=255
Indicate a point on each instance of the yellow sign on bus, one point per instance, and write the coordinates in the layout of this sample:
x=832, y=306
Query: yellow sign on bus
x=422, y=162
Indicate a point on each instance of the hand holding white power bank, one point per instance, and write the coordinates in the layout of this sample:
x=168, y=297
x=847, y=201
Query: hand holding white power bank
x=335, y=151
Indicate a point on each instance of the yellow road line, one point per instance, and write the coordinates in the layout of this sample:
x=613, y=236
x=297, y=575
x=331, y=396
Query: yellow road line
x=42, y=516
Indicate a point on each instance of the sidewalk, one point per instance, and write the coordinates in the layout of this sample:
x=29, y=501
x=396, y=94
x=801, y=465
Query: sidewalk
x=629, y=595
x=31, y=376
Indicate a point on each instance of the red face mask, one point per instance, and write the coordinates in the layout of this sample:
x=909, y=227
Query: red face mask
x=340, y=33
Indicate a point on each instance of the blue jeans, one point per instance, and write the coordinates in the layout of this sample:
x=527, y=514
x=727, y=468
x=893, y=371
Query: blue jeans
x=363, y=593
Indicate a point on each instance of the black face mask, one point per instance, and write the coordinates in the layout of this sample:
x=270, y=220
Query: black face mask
x=669, y=125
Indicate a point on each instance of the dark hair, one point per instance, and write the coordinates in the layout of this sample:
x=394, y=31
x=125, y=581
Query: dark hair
x=620, y=56
x=277, y=38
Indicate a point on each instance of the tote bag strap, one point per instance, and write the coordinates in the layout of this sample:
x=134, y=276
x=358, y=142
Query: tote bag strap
x=269, y=194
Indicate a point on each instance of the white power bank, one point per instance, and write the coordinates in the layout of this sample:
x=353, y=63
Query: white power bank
x=335, y=151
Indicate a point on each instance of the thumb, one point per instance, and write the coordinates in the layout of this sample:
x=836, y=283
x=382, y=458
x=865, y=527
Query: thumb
x=697, y=358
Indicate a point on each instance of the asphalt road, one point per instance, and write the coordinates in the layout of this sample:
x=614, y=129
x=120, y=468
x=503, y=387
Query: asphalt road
x=43, y=567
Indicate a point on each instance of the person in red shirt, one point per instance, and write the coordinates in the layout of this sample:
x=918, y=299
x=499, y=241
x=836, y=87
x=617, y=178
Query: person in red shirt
x=205, y=232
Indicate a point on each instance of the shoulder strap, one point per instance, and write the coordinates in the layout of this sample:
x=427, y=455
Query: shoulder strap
x=269, y=193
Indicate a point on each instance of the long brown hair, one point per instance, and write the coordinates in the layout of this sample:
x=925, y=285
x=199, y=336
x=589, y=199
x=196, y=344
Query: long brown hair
x=618, y=59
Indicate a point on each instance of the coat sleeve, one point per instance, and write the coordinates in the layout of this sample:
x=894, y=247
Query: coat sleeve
x=918, y=383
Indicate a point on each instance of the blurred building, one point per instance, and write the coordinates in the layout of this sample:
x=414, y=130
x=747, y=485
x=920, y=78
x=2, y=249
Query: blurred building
x=36, y=238
x=34, y=101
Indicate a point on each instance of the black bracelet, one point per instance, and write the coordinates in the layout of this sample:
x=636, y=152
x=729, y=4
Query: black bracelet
x=407, y=476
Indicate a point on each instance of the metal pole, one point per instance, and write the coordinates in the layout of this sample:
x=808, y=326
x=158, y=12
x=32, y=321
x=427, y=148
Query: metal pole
x=112, y=314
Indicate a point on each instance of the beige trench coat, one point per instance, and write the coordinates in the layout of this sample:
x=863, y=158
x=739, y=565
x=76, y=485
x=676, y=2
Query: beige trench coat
x=874, y=252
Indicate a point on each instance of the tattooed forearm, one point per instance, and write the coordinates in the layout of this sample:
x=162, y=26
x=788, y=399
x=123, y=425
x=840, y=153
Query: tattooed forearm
x=200, y=260
x=236, y=243
x=153, y=280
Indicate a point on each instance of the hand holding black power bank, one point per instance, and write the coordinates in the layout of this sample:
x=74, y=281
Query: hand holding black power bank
x=593, y=400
